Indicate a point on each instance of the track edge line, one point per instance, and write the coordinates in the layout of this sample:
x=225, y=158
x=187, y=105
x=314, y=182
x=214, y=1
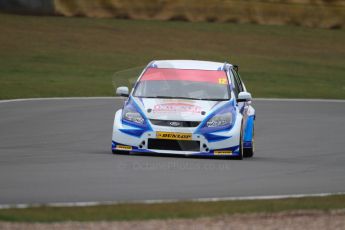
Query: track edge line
x=111, y=98
x=213, y=199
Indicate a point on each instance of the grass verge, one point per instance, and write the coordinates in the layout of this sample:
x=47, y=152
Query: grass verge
x=58, y=56
x=121, y=212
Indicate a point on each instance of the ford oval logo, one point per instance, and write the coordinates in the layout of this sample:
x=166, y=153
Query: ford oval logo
x=175, y=123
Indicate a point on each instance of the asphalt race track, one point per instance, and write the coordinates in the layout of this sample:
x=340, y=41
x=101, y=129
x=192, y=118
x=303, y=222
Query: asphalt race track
x=59, y=151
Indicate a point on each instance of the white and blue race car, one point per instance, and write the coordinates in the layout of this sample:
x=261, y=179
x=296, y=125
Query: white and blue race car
x=186, y=107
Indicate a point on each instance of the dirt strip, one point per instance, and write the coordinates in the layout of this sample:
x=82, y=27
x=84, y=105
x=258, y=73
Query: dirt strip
x=286, y=220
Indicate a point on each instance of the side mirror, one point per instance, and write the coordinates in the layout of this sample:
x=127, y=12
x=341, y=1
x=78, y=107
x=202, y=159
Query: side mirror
x=244, y=97
x=122, y=91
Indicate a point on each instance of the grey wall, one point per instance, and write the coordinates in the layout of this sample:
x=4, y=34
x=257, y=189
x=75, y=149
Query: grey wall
x=28, y=6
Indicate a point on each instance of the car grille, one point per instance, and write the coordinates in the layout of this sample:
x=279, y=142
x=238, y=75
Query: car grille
x=178, y=145
x=175, y=123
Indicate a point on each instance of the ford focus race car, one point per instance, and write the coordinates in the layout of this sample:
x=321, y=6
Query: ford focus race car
x=186, y=107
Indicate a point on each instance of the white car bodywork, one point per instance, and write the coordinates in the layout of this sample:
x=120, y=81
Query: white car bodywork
x=160, y=115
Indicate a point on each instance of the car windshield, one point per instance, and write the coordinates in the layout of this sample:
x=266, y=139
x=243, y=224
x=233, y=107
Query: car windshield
x=183, y=83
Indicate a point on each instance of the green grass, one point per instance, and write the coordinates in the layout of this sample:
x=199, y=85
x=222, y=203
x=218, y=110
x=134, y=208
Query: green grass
x=58, y=56
x=169, y=210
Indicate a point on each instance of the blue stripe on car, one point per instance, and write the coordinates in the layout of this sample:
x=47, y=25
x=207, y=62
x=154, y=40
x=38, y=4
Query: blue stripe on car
x=248, y=133
x=212, y=137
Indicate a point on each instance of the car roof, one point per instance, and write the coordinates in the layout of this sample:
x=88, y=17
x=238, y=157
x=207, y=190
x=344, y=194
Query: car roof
x=189, y=64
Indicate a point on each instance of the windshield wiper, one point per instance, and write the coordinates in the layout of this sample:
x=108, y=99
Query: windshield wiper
x=188, y=98
x=214, y=99
x=170, y=97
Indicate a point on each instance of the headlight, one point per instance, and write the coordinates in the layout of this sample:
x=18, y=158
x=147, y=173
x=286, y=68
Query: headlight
x=132, y=116
x=220, y=120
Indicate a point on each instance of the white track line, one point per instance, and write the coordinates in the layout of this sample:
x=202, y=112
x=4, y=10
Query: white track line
x=57, y=98
x=299, y=100
x=214, y=199
x=112, y=98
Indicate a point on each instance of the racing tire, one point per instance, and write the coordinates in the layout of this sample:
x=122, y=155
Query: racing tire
x=118, y=152
x=249, y=152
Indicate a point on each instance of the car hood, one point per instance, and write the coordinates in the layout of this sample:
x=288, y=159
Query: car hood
x=177, y=109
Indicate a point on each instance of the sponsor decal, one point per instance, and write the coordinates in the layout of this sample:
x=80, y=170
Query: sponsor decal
x=176, y=107
x=222, y=81
x=223, y=152
x=175, y=123
x=124, y=147
x=174, y=136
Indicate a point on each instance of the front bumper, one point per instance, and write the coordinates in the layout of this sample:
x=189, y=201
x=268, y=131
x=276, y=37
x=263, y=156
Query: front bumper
x=231, y=151
x=122, y=140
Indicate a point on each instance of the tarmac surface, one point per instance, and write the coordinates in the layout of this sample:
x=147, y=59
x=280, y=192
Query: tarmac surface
x=59, y=151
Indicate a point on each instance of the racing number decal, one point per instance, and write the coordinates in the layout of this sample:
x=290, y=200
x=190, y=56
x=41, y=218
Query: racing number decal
x=222, y=81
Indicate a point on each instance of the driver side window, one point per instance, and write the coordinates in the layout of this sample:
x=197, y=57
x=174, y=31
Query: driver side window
x=236, y=83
